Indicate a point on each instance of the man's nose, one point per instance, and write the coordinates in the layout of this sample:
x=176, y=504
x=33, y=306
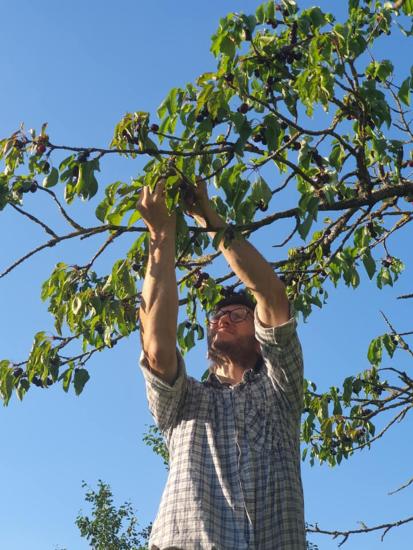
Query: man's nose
x=225, y=318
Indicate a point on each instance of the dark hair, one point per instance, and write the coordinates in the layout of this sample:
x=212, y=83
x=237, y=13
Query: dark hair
x=236, y=298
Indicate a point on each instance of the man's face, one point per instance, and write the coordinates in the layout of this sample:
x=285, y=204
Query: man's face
x=231, y=332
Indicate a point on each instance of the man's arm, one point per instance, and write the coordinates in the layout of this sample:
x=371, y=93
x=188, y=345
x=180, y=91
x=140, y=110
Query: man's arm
x=247, y=263
x=159, y=303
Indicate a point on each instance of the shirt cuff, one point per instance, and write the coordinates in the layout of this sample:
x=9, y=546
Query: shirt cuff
x=154, y=380
x=279, y=335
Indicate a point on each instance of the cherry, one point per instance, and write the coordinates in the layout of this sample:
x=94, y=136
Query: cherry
x=33, y=187
x=317, y=158
x=323, y=177
x=243, y=108
x=37, y=381
x=154, y=128
x=262, y=206
x=372, y=230
x=40, y=149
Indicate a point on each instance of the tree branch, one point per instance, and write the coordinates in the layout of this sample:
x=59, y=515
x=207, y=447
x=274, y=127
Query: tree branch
x=385, y=527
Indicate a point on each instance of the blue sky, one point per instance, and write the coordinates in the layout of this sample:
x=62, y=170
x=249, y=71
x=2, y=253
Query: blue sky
x=80, y=66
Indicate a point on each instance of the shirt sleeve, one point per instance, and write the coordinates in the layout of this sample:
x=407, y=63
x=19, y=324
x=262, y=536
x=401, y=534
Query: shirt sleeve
x=283, y=359
x=165, y=400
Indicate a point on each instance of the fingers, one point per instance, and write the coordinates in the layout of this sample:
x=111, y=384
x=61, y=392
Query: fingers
x=159, y=189
x=147, y=195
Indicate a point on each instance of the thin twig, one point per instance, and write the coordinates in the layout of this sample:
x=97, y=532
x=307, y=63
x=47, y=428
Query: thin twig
x=402, y=487
x=405, y=296
x=62, y=210
x=35, y=220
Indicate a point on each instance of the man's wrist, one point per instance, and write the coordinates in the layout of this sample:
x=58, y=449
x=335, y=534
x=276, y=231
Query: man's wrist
x=210, y=218
x=159, y=235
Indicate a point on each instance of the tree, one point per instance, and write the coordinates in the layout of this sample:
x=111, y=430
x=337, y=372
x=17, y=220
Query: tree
x=295, y=92
x=106, y=529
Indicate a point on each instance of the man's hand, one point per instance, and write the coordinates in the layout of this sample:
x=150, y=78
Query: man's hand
x=154, y=211
x=197, y=204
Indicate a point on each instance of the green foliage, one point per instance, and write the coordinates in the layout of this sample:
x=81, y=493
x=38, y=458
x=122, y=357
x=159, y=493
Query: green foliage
x=109, y=527
x=154, y=439
x=294, y=97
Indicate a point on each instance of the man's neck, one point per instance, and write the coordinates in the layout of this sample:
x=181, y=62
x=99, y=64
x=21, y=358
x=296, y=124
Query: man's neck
x=231, y=372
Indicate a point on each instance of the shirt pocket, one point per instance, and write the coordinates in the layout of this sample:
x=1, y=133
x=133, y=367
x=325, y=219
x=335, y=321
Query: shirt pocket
x=261, y=418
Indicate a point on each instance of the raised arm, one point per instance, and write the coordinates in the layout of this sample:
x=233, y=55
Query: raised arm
x=159, y=304
x=247, y=263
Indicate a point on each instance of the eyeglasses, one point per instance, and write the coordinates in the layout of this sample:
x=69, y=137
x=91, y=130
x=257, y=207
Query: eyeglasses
x=236, y=315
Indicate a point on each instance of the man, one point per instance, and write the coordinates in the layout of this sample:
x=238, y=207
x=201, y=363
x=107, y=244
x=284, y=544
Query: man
x=234, y=480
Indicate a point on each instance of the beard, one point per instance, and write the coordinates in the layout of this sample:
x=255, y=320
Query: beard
x=241, y=350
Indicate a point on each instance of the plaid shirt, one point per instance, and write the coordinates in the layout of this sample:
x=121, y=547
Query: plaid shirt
x=234, y=481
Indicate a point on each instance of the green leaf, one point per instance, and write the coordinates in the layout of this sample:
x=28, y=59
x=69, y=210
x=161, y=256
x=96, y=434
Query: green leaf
x=6, y=381
x=219, y=235
x=316, y=16
x=381, y=70
x=260, y=13
x=404, y=92
x=66, y=376
x=51, y=179
x=305, y=226
x=76, y=305
x=374, y=353
x=390, y=343
x=102, y=210
x=348, y=389
x=86, y=186
x=272, y=131
x=136, y=215
x=408, y=7
x=369, y=264
x=227, y=46
x=79, y=380
x=261, y=191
